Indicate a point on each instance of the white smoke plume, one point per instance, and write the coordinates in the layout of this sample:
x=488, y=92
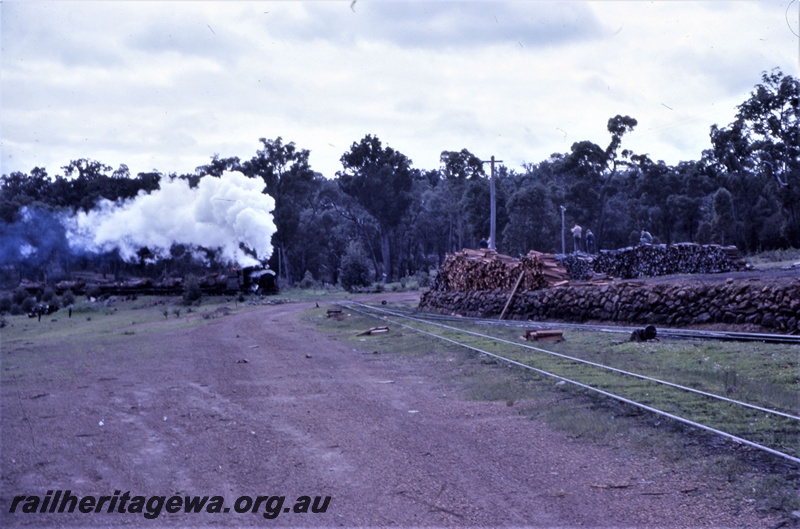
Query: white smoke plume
x=220, y=214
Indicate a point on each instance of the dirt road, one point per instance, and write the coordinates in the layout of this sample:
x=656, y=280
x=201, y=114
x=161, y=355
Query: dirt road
x=260, y=404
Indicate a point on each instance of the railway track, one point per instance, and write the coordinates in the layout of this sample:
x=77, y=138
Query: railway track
x=758, y=425
x=615, y=329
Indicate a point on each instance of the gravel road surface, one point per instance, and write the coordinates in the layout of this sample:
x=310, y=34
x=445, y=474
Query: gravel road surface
x=261, y=404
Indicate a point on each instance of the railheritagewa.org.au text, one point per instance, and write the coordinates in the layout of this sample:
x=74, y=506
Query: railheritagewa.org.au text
x=151, y=507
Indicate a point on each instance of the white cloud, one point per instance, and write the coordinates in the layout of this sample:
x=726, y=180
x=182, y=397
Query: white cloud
x=165, y=85
x=432, y=25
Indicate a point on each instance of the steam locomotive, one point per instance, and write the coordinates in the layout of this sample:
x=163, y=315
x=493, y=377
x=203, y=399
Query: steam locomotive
x=254, y=279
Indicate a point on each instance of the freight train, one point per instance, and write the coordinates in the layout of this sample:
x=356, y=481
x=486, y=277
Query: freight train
x=255, y=279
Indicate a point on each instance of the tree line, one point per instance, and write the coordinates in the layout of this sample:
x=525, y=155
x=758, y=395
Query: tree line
x=394, y=220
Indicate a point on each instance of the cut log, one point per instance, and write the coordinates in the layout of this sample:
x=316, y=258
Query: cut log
x=544, y=335
x=373, y=330
x=334, y=313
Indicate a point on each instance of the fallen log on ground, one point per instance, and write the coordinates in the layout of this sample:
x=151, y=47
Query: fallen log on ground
x=373, y=330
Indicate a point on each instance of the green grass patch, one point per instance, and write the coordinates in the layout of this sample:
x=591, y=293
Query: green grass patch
x=350, y=324
x=774, y=258
x=92, y=322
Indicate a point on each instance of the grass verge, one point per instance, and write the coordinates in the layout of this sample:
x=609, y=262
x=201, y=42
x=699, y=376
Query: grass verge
x=99, y=320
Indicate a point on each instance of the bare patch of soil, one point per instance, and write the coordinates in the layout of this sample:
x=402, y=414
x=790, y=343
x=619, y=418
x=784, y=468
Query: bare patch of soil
x=260, y=403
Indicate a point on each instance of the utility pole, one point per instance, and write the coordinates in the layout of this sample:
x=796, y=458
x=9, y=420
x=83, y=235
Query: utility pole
x=493, y=199
x=563, y=244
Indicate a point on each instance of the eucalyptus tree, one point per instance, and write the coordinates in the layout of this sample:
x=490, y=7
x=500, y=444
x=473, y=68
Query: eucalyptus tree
x=653, y=184
x=760, y=153
x=476, y=207
x=458, y=170
x=724, y=221
x=290, y=180
x=537, y=226
x=380, y=179
x=326, y=227
x=532, y=221
x=348, y=221
x=594, y=171
x=217, y=167
x=19, y=189
x=687, y=190
x=83, y=184
x=434, y=224
x=421, y=233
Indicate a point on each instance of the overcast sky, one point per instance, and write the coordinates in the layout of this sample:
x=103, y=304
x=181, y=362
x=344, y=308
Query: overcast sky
x=165, y=85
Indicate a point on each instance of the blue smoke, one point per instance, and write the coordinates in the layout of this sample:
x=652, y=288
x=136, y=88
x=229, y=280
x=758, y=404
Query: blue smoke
x=34, y=240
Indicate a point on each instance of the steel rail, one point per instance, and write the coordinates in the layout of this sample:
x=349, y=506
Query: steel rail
x=620, y=398
x=663, y=331
x=594, y=364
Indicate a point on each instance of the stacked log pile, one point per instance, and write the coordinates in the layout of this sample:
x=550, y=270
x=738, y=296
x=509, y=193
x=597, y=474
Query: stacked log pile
x=473, y=270
x=579, y=268
x=659, y=260
x=554, y=274
x=774, y=306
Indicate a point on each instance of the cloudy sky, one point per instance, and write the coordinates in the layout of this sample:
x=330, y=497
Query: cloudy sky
x=165, y=85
